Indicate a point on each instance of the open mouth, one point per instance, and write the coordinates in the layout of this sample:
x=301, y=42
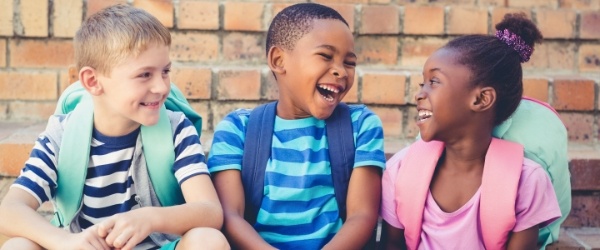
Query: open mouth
x=149, y=104
x=424, y=115
x=329, y=92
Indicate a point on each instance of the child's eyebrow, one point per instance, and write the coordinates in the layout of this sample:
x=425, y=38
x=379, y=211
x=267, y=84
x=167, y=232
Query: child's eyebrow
x=332, y=48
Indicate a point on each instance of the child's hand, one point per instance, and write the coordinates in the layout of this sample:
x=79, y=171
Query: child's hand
x=88, y=239
x=125, y=230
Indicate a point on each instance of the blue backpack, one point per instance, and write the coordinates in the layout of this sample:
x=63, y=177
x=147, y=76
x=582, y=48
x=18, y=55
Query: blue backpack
x=76, y=139
x=257, y=151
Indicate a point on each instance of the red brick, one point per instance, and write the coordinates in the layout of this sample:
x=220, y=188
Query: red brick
x=536, y=88
x=220, y=110
x=383, y=88
x=377, y=50
x=556, y=23
x=41, y=53
x=198, y=15
x=585, y=211
x=194, y=47
x=411, y=130
x=67, y=17
x=453, y=2
x=589, y=58
x=6, y=18
x=427, y=20
x=380, y=1
x=573, y=94
x=28, y=86
x=194, y=82
x=347, y=12
x=278, y=7
x=244, y=16
x=391, y=119
x=413, y=87
x=487, y=3
x=467, y=21
x=380, y=19
x=34, y=18
x=13, y=157
x=2, y=53
x=580, y=127
x=94, y=6
x=532, y=3
x=499, y=12
x=585, y=174
x=32, y=111
x=161, y=9
x=342, y=1
x=555, y=55
x=590, y=25
x=244, y=47
x=579, y=4
x=415, y=51
x=239, y=84
x=203, y=108
x=66, y=78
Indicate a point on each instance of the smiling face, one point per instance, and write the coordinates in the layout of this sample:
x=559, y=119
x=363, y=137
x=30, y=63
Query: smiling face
x=133, y=92
x=445, y=99
x=316, y=75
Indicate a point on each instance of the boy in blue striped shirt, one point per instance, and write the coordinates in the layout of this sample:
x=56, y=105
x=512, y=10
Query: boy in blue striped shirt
x=310, y=50
x=122, y=54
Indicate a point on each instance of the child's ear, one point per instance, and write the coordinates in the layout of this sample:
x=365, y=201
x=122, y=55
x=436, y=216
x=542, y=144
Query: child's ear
x=485, y=97
x=275, y=60
x=88, y=77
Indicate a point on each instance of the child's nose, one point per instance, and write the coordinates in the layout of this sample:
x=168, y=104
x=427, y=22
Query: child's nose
x=162, y=86
x=420, y=95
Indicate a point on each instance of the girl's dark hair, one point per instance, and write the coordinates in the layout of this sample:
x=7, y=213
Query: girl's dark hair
x=493, y=62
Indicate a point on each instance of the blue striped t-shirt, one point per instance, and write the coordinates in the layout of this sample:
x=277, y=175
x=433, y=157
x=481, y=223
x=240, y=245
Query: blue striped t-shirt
x=298, y=210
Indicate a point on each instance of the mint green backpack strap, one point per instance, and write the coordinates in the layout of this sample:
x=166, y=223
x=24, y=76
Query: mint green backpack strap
x=159, y=153
x=72, y=168
x=176, y=101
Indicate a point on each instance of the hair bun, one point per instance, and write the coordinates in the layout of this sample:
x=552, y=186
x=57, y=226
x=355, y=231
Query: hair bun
x=518, y=32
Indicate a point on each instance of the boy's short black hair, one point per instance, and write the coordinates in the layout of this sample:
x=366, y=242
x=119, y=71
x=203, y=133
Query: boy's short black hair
x=295, y=21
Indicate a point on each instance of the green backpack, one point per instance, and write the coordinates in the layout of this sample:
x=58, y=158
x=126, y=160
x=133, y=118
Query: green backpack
x=77, y=136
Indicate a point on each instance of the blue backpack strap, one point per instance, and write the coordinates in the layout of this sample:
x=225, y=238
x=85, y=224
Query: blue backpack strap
x=257, y=150
x=341, y=153
x=160, y=156
x=72, y=168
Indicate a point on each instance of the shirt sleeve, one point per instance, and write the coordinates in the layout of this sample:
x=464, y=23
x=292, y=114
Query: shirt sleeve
x=369, y=138
x=38, y=176
x=227, y=147
x=388, y=189
x=189, y=155
x=536, y=201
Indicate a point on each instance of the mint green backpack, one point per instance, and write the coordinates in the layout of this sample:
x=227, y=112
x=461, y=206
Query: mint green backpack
x=158, y=150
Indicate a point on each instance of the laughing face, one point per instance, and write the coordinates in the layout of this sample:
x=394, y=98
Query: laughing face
x=318, y=72
x=134, y=91
x=443, y=100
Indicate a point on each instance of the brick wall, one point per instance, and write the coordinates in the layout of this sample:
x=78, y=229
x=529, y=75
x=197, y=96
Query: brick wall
x=218, y=53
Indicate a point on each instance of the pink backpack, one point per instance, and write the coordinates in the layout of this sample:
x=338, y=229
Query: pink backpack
x=501, y=174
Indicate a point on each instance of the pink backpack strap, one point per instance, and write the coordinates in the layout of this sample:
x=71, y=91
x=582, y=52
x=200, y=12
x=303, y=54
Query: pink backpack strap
x=500, y=181
x=412, y=186
x=540, y=102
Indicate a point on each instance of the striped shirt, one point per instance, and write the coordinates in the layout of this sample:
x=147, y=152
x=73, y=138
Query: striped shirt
x=109, y=187
x=298, y=210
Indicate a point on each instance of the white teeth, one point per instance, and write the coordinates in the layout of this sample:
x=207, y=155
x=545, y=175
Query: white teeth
x=424, y=114
x=327, y=98
x=329, y=88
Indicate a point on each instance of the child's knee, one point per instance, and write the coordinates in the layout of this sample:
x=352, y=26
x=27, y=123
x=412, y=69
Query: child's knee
x=208, y=238
x=20, y=243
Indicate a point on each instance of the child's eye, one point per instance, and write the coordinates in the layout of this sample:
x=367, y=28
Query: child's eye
x=166, y=71
x=145, y=75
x=351, y=64
x=421, y=84
x=326, y=56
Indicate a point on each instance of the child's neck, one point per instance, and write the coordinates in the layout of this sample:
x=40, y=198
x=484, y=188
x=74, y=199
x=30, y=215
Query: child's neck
x=467, y=154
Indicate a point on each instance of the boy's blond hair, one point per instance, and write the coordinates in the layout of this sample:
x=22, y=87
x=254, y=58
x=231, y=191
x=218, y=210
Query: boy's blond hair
x=108, y=37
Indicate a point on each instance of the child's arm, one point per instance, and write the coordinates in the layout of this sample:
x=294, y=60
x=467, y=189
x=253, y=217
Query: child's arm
x=364, y=196
x=20, y=219
x=523, y=240
x=391, y=237
x=202, y=209
x=238, y=231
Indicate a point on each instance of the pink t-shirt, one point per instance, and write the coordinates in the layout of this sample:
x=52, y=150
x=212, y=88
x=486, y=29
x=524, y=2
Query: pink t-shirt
x=536, y=205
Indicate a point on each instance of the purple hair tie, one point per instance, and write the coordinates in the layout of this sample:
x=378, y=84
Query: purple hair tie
x=516, y=43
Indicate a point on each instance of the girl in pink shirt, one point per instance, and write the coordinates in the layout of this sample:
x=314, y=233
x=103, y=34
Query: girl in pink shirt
x=470, y=85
